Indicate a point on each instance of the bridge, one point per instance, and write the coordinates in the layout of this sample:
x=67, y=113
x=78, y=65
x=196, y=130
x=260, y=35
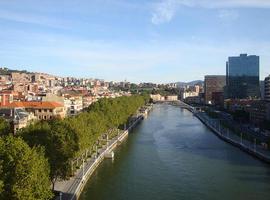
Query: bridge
x=180, y=104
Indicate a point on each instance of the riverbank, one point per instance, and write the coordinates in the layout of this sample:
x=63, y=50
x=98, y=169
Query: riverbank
x=226, y=135
x=173, y=155
x=72, y=188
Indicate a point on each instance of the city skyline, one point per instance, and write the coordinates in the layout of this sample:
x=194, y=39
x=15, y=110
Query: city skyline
x=154, y=41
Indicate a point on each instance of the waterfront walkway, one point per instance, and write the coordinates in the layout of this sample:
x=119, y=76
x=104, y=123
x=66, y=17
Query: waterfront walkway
x=254, y=148
x=71, y=189
x=251, y=147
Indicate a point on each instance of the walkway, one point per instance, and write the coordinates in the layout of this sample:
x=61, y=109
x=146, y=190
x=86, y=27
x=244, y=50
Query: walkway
x=249, y=146
x=70, y=189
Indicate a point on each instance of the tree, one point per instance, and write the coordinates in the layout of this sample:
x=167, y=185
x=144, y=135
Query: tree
x=72, y=138
x=60, y=142
x=25, y=171
x=1, y=181
x=4, y=127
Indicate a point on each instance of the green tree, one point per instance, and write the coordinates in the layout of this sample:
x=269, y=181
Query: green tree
x=1, y=181
x=73, y=138
x=25, y=171
x=60, y=143
x=4, y=127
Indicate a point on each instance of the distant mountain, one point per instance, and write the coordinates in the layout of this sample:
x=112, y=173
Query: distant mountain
x=192, y=83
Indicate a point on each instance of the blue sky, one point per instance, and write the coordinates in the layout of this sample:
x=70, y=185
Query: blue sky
x=138, y=40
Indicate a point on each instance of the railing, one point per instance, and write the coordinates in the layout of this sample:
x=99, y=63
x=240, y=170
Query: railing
x=226, y=134
x=74, y=186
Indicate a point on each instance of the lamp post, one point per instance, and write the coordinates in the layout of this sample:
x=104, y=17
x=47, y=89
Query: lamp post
x=241, y=138
x=96, y=151
x=83, y=171
x=107, y=140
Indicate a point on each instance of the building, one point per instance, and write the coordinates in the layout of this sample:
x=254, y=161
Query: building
x=171, y=98
x=267, y=88
x=197, y=88
x=259, y=112
x=187, y=94
x=262, y=89
x=237, y=104
x=87, y=100
x=17, y=117
x=41, y=110
x=242, y=77
x=6, y=97
x=194, y=99
x=156, y=97
x=218, y=98
x=73, y=105
x=213, y=84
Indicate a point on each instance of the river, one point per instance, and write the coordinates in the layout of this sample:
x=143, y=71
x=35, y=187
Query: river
x=171, y=155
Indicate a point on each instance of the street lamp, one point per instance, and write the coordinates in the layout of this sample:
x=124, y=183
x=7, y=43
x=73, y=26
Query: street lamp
x=241, y=137
x=107, y=140
x=83, y=171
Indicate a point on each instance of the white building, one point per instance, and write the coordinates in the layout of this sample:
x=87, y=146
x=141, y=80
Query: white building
x=172, y=98
x=184, y=95
x=73, y=105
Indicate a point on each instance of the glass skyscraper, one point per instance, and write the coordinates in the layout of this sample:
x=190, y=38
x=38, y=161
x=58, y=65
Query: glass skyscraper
x=242, y=77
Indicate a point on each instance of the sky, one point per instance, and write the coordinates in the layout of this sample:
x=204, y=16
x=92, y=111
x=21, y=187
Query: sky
x=158, y=41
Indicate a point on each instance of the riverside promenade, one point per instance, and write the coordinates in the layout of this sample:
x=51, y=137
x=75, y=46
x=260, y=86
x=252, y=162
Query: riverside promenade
x=251, y=147
x=227, y=135
x=72, y=188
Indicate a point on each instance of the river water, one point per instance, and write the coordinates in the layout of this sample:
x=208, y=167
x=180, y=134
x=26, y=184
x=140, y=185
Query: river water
x=171, y=155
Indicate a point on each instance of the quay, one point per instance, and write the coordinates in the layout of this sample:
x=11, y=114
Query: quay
x=225, y=134
x=72, y=188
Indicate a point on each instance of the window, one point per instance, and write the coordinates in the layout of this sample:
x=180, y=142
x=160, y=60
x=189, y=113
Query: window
x=39, y=110
x=45, y=110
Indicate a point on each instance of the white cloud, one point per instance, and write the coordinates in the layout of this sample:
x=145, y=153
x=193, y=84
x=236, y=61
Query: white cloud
x=226, y=14
x=165, y=10
x=37, y=19
x=165, y=60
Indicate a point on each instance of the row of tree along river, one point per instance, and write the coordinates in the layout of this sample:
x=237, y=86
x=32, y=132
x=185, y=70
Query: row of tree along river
x=38, y=156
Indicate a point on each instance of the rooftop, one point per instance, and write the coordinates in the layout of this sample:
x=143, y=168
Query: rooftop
x=32, y=104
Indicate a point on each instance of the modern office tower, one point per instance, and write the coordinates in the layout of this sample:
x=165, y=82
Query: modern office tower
x=242, y=77
x=213, y=84
x=267, y=88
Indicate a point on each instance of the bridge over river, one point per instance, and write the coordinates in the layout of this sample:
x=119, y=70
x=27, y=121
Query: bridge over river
x=180, y=104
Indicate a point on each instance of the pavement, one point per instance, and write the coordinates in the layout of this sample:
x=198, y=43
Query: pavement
x=215, y=123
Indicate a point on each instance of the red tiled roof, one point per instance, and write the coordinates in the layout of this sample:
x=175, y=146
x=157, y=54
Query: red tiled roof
x=32, y=104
